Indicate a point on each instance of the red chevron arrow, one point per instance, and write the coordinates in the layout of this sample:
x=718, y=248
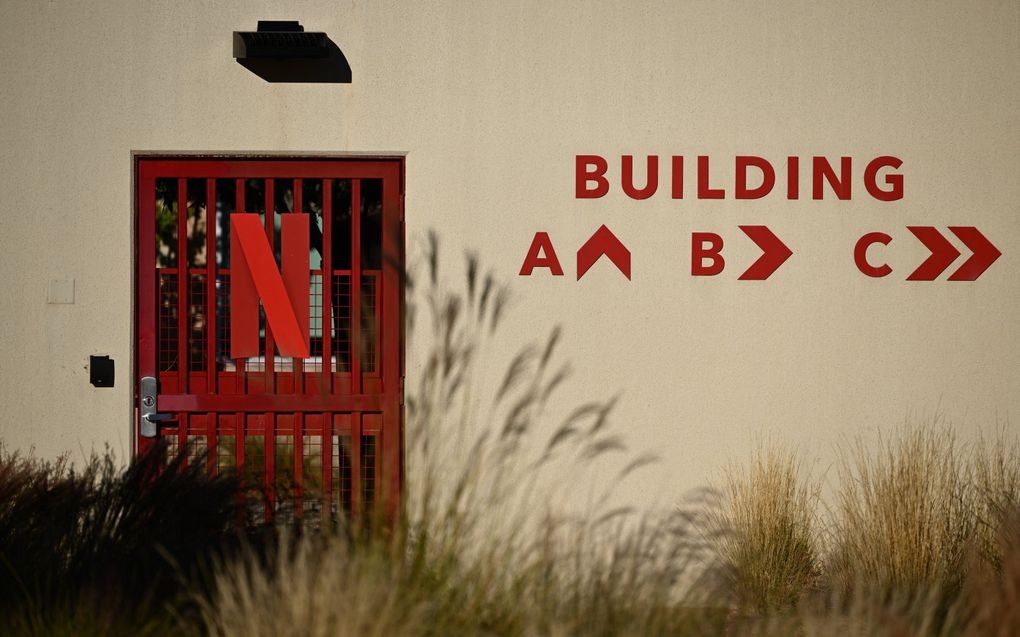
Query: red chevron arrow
x=942, y=256
x=774, y=253
x=984, y=255
x=603, y=242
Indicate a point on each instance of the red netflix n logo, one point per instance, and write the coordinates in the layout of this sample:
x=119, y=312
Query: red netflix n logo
x=254, y=276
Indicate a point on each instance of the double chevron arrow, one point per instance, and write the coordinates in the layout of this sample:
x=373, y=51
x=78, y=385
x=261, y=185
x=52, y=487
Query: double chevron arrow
x=944, y=253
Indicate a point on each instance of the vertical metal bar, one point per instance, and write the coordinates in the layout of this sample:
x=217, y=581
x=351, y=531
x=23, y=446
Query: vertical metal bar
x=378, y=325
x=210, y=283
x=183, y=285
x=212, y=419
x=269, y=463
x=240, y=497
x=183, y=318
x=327, y=286
x=240, y=425
x=327, y=466
x=239, y=429
x=298, y=364
x=356, y=463
x=240, y=364
x=355, y=329
x=390, y=446
x=270, y=348
x=299, y=464
x=269, y=442
x=269, y=351
x=355, y=333
x=148, y=288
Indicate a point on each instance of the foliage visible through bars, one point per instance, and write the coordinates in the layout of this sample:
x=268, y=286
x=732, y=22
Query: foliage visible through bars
x=341, y=315
x=167, y=322
x=368, y=473
x=198, y=324
x=368, y=321
x=342, y=476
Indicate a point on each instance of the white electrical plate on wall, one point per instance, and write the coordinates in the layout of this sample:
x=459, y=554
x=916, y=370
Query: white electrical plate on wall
x=60, y=291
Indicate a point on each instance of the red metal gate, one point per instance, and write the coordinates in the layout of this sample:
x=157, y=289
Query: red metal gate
x=318, y=434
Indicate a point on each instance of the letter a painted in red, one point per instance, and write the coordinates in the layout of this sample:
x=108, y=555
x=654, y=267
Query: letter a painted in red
x=541, y=245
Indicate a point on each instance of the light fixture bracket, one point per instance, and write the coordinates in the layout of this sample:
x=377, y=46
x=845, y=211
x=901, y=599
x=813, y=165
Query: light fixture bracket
x=280, y=39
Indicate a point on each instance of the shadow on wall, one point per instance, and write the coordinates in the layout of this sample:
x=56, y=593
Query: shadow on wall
x=331, y=69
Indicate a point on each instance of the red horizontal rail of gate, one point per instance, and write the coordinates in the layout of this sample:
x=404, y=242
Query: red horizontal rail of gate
x=381, y=167
x=218, y=407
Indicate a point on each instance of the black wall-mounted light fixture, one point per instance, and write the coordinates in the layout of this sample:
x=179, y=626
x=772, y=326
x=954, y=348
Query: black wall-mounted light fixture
x=282, y=51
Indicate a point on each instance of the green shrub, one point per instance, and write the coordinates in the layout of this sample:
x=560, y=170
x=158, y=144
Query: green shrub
x=103, y=542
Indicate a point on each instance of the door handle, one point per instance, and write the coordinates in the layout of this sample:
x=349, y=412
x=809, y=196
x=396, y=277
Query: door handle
x=147, y=408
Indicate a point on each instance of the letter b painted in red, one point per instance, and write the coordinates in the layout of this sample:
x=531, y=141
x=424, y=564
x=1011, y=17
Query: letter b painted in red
x=706, y=247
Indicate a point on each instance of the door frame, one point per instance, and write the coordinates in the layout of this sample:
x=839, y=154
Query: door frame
x=395, y=470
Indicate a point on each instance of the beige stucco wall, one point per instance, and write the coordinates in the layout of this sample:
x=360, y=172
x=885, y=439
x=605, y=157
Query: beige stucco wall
x=491, y=101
